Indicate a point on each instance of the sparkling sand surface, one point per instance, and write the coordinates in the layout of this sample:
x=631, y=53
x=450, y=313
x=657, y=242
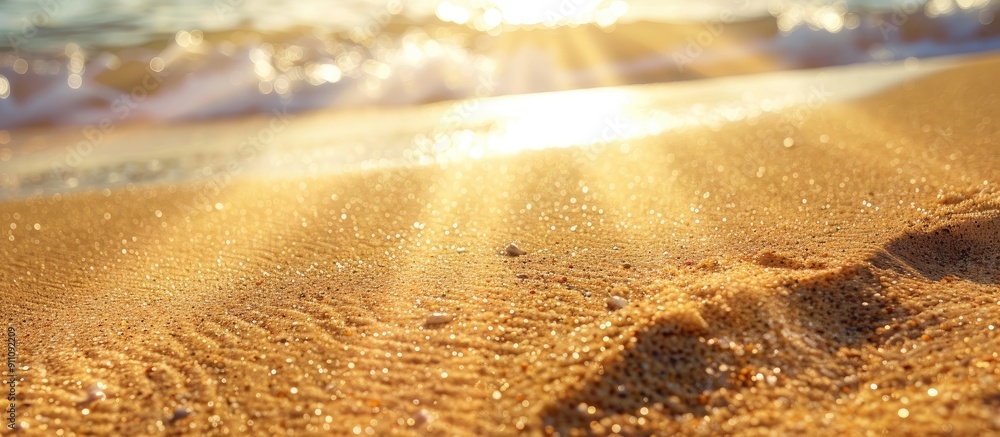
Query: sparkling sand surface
x=835, y=274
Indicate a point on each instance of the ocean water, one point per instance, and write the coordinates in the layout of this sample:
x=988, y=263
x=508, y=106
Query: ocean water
x=126, y=23
x=80, y=63
x=64, y=160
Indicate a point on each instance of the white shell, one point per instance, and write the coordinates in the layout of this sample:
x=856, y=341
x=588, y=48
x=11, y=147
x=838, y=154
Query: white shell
x=438, y=318
x=95, y=393
x=616, y=302
x=513, y=250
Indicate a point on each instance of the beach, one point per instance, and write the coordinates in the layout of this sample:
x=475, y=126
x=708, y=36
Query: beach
x=827, y=269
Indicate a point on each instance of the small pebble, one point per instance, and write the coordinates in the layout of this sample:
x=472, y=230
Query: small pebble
x=438, y=318
x=179, y=413
x=616, y=302
x=513, y=250
x=421, y=417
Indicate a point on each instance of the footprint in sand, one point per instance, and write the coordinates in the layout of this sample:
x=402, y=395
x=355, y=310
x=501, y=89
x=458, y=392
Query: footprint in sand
x=968, y=250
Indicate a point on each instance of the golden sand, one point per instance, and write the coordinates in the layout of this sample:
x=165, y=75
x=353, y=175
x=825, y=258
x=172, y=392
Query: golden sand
x=847, y=284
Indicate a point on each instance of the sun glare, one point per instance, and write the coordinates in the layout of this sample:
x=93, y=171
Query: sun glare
x=513, y=124
x=562, y=119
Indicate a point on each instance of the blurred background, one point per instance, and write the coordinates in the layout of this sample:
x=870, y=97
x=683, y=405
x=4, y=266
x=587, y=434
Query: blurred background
x=101, y=94
x=77, y=62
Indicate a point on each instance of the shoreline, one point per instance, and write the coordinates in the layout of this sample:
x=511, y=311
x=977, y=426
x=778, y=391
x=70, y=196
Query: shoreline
x=172, y=154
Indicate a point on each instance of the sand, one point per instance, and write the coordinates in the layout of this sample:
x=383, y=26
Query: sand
x=846, y=284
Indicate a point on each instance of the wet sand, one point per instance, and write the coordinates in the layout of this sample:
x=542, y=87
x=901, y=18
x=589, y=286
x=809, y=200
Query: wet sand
x=839, y=277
